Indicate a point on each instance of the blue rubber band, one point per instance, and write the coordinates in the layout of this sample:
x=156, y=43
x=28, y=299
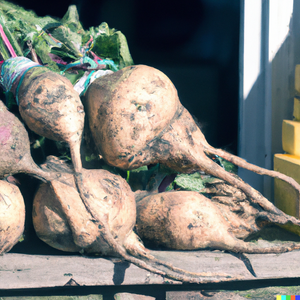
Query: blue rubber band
x=110, y=63
x=12, y=68
x=20, y=82
x=87, y=82
x=83, y=60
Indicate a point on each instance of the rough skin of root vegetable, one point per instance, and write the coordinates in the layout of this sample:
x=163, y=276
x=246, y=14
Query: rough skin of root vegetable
x=47, y=101
x=12, y=215
x=136, y=119
x=184, y=220
x=102, y=225
x=51, y=107
x=15, y=154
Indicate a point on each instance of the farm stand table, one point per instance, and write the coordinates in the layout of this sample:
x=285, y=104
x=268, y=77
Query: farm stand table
x=27, y=275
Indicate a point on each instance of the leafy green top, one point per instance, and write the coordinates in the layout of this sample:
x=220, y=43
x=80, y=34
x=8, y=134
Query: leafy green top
x=64, y=38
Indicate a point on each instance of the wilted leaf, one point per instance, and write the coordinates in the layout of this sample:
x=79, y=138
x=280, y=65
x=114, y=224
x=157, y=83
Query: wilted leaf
x=190, y=182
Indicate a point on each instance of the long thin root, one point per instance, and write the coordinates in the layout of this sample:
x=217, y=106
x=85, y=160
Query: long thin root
x=212, y=168
x=251, y=167
x=251, y=248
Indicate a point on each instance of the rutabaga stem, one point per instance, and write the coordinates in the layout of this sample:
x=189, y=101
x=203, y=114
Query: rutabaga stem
x=27, y=165
x=75, y=155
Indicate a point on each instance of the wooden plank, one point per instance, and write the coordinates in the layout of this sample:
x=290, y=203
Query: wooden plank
x=21, y=271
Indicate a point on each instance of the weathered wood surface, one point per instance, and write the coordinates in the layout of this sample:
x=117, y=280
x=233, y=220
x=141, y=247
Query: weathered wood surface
x=19, y=271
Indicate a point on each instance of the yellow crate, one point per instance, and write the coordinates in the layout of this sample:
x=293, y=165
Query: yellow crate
x=297, y=80
x=291, y=137
x=285, y=196
x=296, y=113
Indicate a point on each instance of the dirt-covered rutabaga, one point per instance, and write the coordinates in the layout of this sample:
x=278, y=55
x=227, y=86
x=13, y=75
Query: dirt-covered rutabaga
x=185, y=220
x=101, y=224
x=58, y=211
x=51, y=107
x=15, y=154
x=136, y=119
x=129, y=109
x=12, y=215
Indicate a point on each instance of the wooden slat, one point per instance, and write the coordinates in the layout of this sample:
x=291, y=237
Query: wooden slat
x=19, y=271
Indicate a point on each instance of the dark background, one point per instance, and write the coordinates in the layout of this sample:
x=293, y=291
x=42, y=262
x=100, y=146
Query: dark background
x=195, y=42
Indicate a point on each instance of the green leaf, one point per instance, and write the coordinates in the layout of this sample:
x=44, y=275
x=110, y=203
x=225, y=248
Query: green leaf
x=190, y=182
x=71, y=20
x=126, y=59
x=3, y=50
x=42, y=49
x=10, y=37
x=112, y=44
x=140, y=169
x=139, y=178
x=228, y=166
x=103, y=28
x=91, y=157
x=27, y=26
x=63, y=53
x=107, y=46
x=71, y=41
x=170, y=187
x=74, y=77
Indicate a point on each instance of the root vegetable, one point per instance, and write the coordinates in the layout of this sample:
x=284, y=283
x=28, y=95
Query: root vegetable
x=184, y=220
x=110, y=194
x=136, y=119
x=15, y=154
x=48, y=104
x=12, y=215
x=102, y=225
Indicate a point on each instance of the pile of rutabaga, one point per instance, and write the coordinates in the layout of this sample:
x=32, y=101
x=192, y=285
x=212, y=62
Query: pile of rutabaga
x=119, y=158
